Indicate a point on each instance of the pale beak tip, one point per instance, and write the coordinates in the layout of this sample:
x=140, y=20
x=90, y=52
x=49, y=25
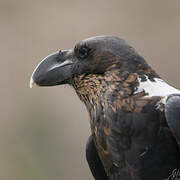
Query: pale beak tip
x=31, y=82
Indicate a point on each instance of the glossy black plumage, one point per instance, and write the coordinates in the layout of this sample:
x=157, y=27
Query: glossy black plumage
x=94, y=161
x=172, y=112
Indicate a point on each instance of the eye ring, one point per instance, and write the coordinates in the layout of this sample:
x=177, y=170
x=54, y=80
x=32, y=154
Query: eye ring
x=83, y=52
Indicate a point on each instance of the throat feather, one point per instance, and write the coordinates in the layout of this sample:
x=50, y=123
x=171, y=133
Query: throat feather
x=95, y=89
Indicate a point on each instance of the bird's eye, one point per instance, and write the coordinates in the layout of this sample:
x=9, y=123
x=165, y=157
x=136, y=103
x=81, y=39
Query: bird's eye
x=83, y=52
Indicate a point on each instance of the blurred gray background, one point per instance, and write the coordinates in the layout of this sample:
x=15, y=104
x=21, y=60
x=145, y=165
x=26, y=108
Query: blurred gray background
x=43, y=131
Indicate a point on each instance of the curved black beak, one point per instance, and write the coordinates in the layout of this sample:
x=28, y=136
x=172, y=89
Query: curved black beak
x=53, y=70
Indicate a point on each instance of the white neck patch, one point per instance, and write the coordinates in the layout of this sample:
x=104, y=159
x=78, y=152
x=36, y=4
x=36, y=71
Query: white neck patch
x=158, y=87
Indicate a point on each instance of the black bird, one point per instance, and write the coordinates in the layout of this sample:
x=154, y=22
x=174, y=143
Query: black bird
x=134, y=114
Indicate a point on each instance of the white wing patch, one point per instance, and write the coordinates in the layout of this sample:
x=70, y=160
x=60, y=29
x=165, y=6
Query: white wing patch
x=158, y=87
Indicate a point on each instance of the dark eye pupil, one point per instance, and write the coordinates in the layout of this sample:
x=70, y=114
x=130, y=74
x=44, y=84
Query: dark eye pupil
x=83, y=52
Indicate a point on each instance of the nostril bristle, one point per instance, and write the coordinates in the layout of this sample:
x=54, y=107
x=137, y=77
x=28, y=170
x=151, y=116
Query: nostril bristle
x=59, y=55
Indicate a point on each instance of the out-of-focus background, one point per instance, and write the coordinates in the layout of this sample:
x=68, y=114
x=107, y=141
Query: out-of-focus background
x=43, y=131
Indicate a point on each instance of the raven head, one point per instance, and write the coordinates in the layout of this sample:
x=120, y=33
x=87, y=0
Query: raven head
x=95, y=55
